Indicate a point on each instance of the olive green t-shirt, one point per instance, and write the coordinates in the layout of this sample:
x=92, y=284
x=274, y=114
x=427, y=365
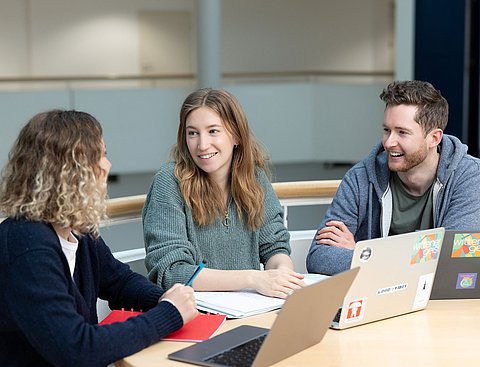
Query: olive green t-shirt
x=410, y=212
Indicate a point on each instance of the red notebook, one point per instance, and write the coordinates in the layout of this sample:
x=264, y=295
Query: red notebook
x=199, y=329
x=118, y=316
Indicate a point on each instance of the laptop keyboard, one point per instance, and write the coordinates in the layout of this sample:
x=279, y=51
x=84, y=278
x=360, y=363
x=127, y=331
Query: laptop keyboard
x=240, y=356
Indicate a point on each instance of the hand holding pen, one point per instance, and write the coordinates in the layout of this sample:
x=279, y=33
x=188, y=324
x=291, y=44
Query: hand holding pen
x=181, y=296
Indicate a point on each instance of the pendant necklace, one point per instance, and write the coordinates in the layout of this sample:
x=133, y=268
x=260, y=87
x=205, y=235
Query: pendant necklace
x=226, y=221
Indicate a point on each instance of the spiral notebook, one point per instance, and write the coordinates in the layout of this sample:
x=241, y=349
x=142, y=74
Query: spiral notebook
x=246, y=302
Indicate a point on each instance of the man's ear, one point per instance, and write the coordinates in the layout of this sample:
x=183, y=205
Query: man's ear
x=435, y=137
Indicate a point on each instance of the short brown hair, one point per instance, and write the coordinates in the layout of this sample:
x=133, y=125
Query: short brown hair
x=432, y=107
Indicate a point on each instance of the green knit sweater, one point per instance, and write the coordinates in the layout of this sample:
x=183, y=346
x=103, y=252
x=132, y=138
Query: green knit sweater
x=175, y=243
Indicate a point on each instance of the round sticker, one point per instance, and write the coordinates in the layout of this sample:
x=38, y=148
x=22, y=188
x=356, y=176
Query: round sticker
x=365, y=254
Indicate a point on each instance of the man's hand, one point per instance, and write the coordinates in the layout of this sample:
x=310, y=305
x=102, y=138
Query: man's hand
x=335, y=233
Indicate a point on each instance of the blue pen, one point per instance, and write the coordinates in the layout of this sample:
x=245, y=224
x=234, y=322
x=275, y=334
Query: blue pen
x=195, y=273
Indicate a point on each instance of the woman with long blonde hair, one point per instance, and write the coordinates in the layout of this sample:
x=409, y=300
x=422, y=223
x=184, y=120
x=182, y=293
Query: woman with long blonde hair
x=53, y=262
x=215, y=204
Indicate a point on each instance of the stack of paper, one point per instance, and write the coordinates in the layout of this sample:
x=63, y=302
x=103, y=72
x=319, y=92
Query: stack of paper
x=243, y=303
x=237, y=304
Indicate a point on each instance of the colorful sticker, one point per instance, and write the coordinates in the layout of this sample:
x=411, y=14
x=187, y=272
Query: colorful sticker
x=424, y=288
x=426, y=248
x=466, y=280
x=393, y=288
x=466, y=245
x=356, y=310
x=365, y=254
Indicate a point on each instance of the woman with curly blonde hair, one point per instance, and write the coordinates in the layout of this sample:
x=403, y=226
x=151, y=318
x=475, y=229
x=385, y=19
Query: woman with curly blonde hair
x=215, y=204
x=53, y=262
x=53, y=173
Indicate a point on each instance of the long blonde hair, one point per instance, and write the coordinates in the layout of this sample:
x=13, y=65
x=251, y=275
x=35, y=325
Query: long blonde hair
x=201, y=193
x=53, y=173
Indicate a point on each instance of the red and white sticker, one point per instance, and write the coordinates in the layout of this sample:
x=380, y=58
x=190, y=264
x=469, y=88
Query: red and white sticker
x=356, y=309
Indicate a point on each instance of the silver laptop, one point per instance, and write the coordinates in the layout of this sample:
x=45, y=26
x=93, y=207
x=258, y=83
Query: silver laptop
x=396, y=277
x=302, y=322
x=458, y=267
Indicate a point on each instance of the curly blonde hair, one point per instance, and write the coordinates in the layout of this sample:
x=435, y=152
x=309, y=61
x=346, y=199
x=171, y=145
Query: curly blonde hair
x=53, y=173
x=200, y=192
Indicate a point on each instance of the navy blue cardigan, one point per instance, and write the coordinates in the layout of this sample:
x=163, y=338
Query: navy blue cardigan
x=48, y=319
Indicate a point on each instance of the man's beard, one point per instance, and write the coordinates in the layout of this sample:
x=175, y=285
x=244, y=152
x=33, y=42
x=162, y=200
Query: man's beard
x=410, y=160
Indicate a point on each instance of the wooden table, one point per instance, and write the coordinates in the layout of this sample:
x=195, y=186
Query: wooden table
x=447, y=334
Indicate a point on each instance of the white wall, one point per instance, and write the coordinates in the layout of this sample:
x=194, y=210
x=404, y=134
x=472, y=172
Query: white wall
x=69, y=37
x=298, y=122
x=307, y=35
x=101, y=37
x=14, y=38
x=140, y=126
x=17, y=107
x=313, y=121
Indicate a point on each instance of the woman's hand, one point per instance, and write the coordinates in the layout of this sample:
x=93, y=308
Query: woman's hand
x=278, y=283
x=184, y=300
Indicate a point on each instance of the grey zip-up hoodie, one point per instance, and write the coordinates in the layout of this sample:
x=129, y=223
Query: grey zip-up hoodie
x=364, y=201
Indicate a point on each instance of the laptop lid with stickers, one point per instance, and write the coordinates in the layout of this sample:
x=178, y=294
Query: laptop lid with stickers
x=396, y=277
x=458, y=266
